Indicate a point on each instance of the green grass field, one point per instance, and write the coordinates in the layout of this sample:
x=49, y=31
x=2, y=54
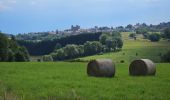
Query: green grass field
x=144, y=48
x=62, y=80
x=69, y=81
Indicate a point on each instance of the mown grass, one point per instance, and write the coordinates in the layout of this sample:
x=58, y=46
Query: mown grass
x=136, y=49
x=63, y=80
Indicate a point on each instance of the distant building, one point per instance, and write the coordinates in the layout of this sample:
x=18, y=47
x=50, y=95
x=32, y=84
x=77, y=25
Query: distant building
x=52, y=32
x=75, y=28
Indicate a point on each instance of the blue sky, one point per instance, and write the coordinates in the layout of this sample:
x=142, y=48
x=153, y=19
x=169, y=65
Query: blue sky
x=22, y=16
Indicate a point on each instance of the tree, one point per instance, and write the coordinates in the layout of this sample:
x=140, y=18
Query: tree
x=25, y=53
x=11, y=51
x=22, y=55
x=47, y=58
x=11, y=55
x=166, y=57
x=119, y=43
x=133, y=35
x=111, y=44
x=146, y=35
x=3, y=47
x=129, y=26
x=57, y=46
x=154, y=37
x=71, y=51
x=81, y=50
x=103, y=38
x=141, y=30
x=93, y=47
x=19, y=57
x=166, y=33
x=59, y=55
x=115, y=34
x=48, y=46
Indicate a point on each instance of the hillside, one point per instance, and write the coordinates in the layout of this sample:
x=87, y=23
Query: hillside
x=134, y=49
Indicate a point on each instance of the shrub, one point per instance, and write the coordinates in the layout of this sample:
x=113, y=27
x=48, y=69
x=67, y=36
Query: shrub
x=47, y=58
x=122, y=61
x=166, y=57
x=154, y=37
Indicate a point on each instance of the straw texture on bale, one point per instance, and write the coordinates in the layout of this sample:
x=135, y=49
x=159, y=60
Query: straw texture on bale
x=101, y=68
x=142, y=67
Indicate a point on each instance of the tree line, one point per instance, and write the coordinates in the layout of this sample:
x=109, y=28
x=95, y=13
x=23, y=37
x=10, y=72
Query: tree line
x=10, y=51
x=46, y=47
x=107, y=42
x=152, y=36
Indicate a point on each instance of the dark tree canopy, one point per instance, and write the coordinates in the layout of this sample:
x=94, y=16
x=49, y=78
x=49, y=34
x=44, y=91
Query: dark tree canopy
x=154, y=37
x=107, y=42
x=11, y=51
x=166, y=33
x=166, y=57
x=46, y=47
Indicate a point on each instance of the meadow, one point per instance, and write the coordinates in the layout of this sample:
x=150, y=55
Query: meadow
x=69, y=81
x=135, y=49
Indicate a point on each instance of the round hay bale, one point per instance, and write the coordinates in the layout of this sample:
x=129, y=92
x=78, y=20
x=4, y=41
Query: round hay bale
x=101, y=68
x=142, y=67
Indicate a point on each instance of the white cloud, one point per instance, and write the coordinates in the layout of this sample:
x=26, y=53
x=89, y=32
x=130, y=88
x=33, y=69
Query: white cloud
x=7, y=4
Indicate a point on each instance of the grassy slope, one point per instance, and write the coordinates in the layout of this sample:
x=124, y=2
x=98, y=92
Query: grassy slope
x=143, y=47
x=63, y=80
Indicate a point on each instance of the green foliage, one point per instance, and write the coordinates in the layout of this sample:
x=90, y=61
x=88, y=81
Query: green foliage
x=11, y=55
x=129, y=26
x=59, y=55
x=93, y=47
x=47, y=58
x=39, y=36
x=166, y=57
x=154, y=37
x=4, y=43
x=108, y=42
x=146, y=35
x=48, y=46
x=142, y=30
x=116, y=34
x=71, y=51
x=111, y=44
x=132, y=35
x=144, y=48
x=119, y=43
x=103, y=38
x=81, y=49
x=58, y=46
x=11, y=51
x=166, y=33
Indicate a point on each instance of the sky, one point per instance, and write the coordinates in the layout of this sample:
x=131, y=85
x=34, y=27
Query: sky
x=23, y=16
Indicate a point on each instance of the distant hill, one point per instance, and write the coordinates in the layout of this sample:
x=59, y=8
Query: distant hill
x=51, y=35
x=46, y=47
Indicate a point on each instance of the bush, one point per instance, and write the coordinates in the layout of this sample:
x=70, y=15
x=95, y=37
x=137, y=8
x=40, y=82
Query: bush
x=122, y=61
x=132, y=35
x=11, y=51
x=146, y=35
x=47, y=58
x=154, y=37
x=166, y=57
x=166, y=33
